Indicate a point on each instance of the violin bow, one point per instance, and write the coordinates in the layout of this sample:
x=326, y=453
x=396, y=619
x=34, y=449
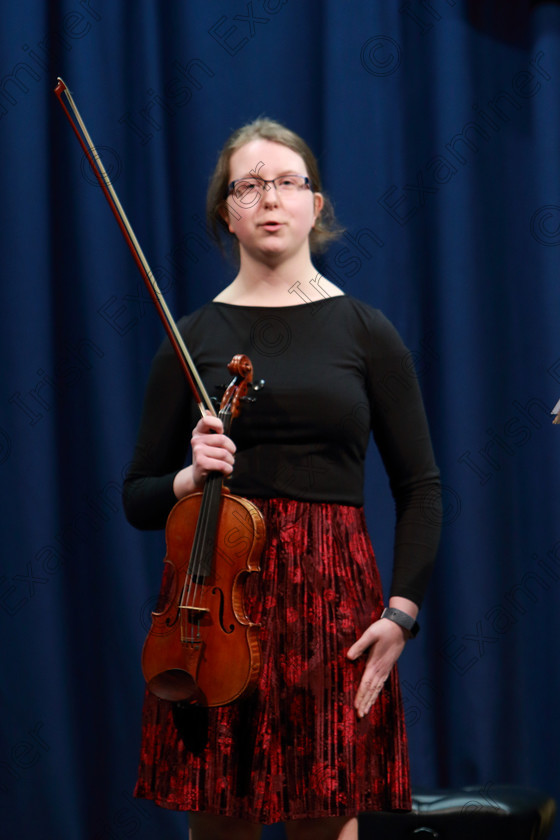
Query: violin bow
x=203, y=400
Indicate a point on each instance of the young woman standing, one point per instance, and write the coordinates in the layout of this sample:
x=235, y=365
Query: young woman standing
x=322, y=737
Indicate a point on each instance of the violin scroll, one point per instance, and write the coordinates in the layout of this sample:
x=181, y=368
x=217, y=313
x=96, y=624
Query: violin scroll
x=241, y=368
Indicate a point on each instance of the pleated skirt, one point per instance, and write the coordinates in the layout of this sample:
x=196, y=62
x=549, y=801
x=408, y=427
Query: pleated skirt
x=295, y=748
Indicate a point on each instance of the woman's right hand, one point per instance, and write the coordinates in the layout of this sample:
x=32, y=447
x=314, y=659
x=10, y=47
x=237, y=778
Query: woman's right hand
x=212, y=451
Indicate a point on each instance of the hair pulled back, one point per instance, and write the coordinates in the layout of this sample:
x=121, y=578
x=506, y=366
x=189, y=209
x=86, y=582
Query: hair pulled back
x=326, y=228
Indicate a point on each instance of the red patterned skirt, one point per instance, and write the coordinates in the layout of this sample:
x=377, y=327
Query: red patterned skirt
x=295, y=747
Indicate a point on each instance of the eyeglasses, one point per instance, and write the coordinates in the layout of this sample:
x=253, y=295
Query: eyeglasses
x=248, y=190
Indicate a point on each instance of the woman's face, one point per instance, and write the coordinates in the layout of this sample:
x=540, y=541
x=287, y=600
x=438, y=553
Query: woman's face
x=276, y=226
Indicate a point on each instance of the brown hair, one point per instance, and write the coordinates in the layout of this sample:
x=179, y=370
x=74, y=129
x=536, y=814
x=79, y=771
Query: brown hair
x=326, y=227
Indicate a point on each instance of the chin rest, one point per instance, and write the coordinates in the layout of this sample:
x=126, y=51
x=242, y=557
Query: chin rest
x=489, y=812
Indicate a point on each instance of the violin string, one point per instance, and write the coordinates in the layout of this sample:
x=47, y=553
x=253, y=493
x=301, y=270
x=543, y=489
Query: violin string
x=191, y=588
x=206, y=532
x=194, y=593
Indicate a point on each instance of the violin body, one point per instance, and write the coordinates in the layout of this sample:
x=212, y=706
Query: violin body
x=202, y=647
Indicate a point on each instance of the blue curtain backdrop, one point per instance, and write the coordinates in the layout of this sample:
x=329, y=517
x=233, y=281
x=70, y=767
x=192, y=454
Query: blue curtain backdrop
x=437, y=128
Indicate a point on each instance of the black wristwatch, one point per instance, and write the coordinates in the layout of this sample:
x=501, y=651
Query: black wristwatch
x=402, y=619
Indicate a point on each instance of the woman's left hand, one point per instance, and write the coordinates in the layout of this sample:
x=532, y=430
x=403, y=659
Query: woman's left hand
x=385, y=641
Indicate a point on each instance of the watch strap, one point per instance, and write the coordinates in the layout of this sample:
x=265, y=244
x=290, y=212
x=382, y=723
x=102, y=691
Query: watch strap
x=402, y=619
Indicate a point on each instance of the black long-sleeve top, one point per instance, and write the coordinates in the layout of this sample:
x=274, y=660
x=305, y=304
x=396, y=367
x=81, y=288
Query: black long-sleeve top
x=334, y=371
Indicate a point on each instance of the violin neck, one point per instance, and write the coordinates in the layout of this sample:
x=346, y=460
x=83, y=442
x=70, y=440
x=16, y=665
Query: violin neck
x=204, y=543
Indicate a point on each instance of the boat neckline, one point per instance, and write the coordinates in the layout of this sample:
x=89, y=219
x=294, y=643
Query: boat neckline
x=309, y=303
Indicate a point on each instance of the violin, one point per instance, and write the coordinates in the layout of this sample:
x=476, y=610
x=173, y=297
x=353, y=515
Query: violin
x=202, y=647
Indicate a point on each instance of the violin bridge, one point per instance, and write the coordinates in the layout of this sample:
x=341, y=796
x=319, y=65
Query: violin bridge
x=191, y=619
